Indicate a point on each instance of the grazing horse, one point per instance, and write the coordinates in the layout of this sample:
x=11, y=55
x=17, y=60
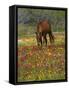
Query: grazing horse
x=44, y=28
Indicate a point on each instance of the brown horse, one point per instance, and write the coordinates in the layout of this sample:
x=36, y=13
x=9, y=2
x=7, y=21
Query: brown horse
x=44, y=28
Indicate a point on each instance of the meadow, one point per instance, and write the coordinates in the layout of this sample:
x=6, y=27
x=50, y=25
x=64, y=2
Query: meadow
x=36, y=63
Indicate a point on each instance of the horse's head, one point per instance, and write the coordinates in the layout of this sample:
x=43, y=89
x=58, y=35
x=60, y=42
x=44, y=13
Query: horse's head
x=38, y=37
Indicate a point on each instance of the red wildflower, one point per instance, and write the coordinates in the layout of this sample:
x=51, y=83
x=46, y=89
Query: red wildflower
x=23, y=58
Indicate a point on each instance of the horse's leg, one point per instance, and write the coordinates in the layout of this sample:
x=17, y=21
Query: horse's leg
x=41, y=41
x=38, y=43
x=51, y=37
x=45, y=39
x=40, y=38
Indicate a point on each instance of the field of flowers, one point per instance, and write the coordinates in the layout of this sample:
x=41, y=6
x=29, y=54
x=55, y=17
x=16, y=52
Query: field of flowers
x=36, y=63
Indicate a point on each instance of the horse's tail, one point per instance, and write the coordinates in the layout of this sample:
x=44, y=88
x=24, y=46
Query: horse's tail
x=51, y=36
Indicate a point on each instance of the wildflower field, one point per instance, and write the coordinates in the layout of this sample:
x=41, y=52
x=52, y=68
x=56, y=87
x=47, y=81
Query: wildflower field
x=36, y=63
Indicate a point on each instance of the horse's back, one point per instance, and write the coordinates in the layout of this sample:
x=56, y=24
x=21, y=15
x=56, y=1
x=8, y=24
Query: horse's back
x=43, y=26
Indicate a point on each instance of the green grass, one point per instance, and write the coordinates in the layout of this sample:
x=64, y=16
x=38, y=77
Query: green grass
x=29, y=40
x=36, y=63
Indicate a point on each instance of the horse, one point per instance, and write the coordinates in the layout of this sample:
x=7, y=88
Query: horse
x=44, y=28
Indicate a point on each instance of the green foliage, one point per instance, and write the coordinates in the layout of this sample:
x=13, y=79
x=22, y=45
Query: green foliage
x=29, y=18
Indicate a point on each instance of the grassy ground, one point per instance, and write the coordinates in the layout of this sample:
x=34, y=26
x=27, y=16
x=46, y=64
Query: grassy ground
x=46, y=63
